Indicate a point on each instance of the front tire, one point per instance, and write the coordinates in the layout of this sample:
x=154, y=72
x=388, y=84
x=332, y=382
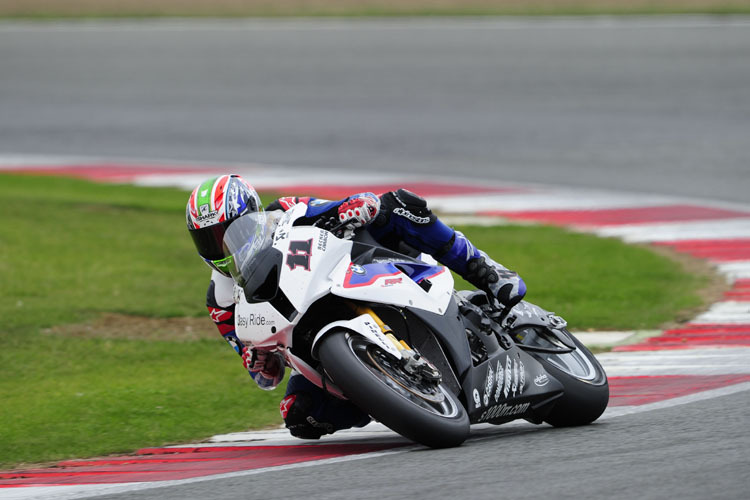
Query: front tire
x=432, y=415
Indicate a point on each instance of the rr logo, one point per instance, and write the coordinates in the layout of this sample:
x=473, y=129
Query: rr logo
x=299, y=254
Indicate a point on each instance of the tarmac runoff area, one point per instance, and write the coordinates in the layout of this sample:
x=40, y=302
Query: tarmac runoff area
x=705, y=358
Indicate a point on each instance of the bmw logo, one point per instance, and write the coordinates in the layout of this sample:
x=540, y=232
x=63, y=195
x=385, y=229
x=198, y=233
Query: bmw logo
x=358, y=269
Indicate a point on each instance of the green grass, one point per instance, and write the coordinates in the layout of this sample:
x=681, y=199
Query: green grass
x=85, y=397
x=72, y=250
x=69, y=251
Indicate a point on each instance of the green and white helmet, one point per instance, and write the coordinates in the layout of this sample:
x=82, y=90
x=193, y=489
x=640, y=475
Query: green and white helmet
x=212, y=207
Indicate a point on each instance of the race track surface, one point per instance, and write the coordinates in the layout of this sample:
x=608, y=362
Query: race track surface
x=649, y=104
x=657, y=106
x=623, y=458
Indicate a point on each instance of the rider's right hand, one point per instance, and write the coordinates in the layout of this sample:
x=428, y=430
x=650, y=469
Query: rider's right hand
x=359, y=209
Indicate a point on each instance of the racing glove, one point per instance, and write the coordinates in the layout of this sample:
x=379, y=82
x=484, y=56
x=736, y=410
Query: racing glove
x=359, y=210
x=266, y=368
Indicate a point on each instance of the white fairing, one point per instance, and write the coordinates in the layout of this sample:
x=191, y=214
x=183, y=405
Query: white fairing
x=366, y=327
x=260, y=325
x=316, y=263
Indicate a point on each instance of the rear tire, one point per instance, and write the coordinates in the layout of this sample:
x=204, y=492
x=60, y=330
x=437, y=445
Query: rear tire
x=348, y=360
x=583, y=400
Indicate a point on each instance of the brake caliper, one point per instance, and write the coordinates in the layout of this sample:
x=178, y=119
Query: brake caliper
x=413, y=362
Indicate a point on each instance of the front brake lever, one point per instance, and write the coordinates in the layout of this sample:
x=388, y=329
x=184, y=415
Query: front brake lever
x=342, y=230
x=333, y=225
x=497, y=314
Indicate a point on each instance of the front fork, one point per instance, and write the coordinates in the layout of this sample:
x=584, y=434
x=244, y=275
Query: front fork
x=411, y=361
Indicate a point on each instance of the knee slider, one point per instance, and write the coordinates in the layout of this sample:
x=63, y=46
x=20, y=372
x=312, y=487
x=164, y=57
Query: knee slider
x=295, y=410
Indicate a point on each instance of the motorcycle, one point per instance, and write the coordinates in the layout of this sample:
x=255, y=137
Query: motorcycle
x=387, y=331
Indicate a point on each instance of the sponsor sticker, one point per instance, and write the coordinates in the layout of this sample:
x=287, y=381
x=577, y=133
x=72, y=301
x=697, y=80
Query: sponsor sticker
x=408, y=215
x=392, y=281
x=219, y=315
x=541, y=380
x=508, y=375
x=504, y=410
x=281, y=234
x=254, y=320
x=205, y=214
x=498, y=380
x=488, y=383
x=323, y=241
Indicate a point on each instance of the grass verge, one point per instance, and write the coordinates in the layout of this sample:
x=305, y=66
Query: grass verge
x=105, y=345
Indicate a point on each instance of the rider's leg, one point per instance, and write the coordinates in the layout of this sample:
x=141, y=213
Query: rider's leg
x=405, y=216
x=309, y=412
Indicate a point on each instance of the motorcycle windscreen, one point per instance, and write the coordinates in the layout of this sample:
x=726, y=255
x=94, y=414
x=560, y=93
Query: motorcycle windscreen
x=245, y=241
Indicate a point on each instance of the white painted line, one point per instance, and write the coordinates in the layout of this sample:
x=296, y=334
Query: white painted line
x=735, y=270
x=281, y=437
x=717, y=361
x=276, y=177
x=701, y=369
x=726, y=312
x=549, y=201
x=677, y=231
x=602, y=338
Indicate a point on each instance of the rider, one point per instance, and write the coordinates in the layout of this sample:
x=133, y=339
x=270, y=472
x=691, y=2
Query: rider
x=392, y=218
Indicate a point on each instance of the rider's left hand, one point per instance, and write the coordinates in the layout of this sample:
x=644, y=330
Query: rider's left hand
x=268, y=364
x=359, y=209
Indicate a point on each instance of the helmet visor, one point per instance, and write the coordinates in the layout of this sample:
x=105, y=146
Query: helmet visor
x=209, y=241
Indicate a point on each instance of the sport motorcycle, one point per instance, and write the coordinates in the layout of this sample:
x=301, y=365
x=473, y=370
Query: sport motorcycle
x=387, y=331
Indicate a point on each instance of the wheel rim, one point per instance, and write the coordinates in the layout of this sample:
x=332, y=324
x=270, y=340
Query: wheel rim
x=430, y=397
x=574, y=364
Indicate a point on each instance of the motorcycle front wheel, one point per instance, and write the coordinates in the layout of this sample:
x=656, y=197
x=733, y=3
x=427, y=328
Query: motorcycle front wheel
x=420, y=410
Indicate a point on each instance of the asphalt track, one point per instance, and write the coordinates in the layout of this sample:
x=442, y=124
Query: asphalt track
x=648, y=105
x=672, y=453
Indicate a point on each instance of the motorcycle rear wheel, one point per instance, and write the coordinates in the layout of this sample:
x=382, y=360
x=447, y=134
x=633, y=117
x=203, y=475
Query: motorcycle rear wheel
x=586, y=392
x=429, y=414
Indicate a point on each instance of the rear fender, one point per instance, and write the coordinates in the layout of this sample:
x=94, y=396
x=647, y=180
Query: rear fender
x=363, y=325
x=528, y=314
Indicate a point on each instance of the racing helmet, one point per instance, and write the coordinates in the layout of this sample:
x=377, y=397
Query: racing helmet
x=212, y=207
